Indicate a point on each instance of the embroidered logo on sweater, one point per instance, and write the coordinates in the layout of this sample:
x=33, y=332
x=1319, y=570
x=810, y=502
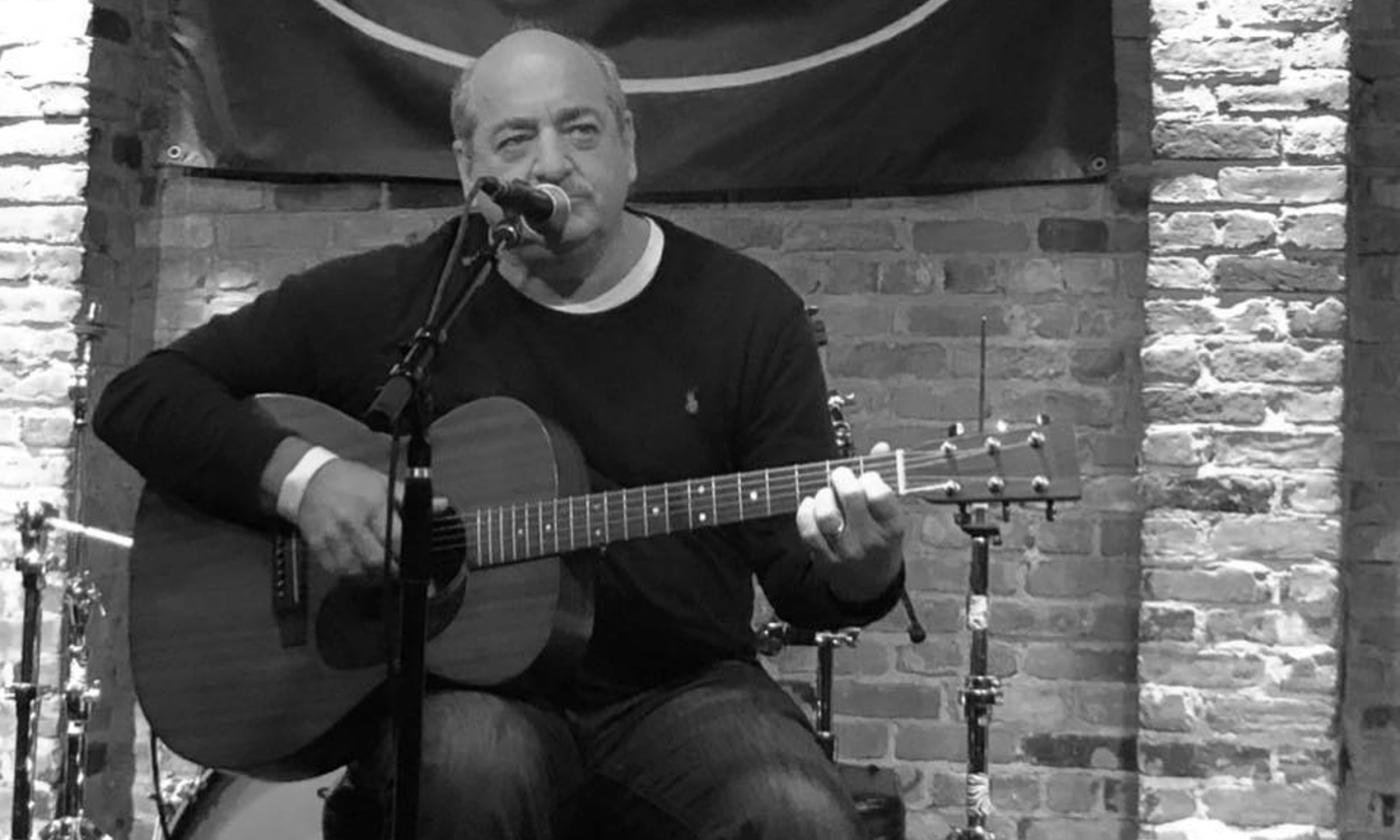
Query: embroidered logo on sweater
x=692, y=405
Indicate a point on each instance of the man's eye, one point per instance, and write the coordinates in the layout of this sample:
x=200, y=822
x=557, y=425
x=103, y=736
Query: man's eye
x=512, y=141
x=584, y=130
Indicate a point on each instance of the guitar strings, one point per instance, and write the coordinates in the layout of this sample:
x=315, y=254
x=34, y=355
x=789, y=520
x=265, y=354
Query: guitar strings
x=532, y=526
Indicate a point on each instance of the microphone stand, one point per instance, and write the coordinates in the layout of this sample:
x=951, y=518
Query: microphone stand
x=404, y=400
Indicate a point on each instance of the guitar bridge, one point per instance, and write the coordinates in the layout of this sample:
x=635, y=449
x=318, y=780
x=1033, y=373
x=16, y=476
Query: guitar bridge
x=289, y=587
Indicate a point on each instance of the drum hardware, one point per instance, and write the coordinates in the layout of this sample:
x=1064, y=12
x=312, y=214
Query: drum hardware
x=774, y=635
x=24, y=689
x=70, y=817
x=226, y=806
x=79, y=596
x=874, y=789
x=171, y=793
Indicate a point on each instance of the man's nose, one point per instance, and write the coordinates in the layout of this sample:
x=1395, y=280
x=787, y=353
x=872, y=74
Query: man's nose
x=552, y=163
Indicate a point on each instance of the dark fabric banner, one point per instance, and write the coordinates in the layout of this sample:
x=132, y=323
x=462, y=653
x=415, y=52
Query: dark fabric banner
x=852, y=97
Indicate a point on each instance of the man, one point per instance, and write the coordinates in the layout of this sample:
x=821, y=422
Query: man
x=667, y=357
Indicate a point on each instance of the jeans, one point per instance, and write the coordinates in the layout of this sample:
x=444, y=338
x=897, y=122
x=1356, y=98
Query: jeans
x=726, y=754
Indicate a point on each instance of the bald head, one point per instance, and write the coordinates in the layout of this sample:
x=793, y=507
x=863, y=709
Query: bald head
x=531, y=51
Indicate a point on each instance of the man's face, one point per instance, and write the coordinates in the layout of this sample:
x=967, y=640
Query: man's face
x=542, y=116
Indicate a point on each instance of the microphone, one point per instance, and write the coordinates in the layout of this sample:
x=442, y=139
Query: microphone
x=545, y=208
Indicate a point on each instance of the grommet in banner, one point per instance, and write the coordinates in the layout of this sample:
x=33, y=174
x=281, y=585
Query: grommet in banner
x=1098, y=163
x=174, y=151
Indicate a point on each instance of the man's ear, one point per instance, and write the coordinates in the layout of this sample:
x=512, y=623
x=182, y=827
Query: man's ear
x=629, y=142
x=462, y=153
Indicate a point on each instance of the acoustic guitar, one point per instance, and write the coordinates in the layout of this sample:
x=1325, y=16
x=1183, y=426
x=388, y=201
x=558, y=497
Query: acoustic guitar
x=247, y=656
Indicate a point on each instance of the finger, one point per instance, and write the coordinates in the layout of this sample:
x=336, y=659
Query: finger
x=810, y=531
x=826, y=510
x=340, y=548
x=850, y=493
x=397, y=541
x=881, y=502
x=365, y=542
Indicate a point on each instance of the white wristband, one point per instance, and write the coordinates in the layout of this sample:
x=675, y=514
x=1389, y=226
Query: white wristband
x=294, y=485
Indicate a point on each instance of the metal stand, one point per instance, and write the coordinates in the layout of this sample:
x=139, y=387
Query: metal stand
x=25, y=688
x=980, y=691
x=405, y=400
x=773, y=636
x=70, y=820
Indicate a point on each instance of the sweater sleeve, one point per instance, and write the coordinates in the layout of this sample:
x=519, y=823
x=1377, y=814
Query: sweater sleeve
x=180, y=417
x=785, y=421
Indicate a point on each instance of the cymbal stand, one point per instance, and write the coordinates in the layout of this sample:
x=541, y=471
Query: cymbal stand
x=25, y=689
x=70, y=820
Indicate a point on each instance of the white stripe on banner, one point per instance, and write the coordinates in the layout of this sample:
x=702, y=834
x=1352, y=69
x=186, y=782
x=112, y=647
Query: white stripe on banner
x=680, y=84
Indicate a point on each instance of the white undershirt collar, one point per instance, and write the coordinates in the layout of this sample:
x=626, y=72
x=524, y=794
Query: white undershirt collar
x=631, y=284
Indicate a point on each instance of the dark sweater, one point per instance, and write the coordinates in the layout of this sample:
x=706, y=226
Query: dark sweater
x=712, y=369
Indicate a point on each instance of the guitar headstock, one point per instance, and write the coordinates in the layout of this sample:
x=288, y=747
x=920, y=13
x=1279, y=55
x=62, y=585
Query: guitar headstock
x=1032, y=463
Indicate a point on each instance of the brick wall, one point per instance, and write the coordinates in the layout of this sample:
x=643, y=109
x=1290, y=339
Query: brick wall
x=1370, y=714
x=43, y=169
x=1242, y=362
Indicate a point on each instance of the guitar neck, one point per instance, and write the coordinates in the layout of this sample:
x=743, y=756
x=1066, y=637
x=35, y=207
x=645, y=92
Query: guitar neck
x=1039, y=467
x=528, y=530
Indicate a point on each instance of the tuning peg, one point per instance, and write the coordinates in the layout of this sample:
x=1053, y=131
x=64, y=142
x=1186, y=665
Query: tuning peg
x=1042, y=419
x=996, y=484
x=1002, y=427
x=1040, y=484
x=948, y=449
x=956, y=430
x=993, y=446
x=1036, y=439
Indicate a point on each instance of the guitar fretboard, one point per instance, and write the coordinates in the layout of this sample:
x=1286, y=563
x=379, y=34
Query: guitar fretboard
x=527, y=530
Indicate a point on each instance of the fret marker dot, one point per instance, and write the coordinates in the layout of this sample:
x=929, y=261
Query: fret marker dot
x=656, y=511
x=700, y=490
x=549, y=527
x=702, y=517
x=753, y=496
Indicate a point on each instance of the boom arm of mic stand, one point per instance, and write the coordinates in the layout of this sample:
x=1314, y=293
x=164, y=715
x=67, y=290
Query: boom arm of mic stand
x=406, y=376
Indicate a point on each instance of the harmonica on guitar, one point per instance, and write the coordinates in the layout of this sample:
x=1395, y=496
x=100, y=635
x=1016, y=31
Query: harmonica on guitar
x=247, y=656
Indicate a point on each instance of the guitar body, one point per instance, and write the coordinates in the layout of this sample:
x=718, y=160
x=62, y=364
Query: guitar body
x=247, y=656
